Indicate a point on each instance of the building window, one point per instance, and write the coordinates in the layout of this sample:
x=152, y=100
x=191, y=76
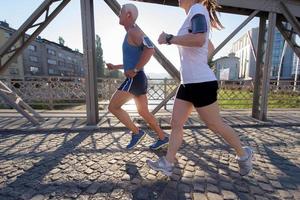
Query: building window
x=7, y=35
x=33, y=58
x=13, y=71
x=69, y=65
x=60, y=55
x=61, y=63
x=34, y=70
x=52, y=62
x=51, y=71
x=32, y=47
x=51, y=52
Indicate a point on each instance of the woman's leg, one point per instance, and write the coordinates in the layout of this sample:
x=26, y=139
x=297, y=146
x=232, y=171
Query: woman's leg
x=181, y=111
x=211, y=116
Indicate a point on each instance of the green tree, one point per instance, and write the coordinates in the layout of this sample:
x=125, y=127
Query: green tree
x=115, y=74
x=99, y=57
x=61, y=40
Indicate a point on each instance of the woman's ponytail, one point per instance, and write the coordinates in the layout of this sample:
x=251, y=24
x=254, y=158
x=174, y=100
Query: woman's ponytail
x=212, y=7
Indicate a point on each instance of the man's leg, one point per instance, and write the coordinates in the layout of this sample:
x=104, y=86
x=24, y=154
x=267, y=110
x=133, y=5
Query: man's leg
x=118, y=99
x=142, y=107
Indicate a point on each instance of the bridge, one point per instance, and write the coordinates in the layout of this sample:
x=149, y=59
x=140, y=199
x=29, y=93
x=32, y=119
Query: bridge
x=277, y=13
x=80, y=155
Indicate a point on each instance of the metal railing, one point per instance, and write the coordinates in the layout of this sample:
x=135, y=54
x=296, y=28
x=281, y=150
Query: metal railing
x=64, y=92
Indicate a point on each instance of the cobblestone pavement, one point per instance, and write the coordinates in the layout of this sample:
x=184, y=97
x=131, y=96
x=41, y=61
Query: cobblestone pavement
x=94, y=165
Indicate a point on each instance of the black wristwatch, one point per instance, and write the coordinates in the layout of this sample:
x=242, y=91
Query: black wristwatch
x=169, y=38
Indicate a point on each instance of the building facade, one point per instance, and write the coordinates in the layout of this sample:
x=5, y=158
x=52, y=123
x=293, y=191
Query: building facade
x=45, y=58
x=246, y=47
x=296, y=68
x=227, y=68
x=16, y=67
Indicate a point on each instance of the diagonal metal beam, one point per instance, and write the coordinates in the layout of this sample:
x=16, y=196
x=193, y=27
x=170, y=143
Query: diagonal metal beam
x=290, y=18
x=20, y=34
x=165, y=101
x=242, y=25
x=16, y=102
x=13, y=49
x=287, y=36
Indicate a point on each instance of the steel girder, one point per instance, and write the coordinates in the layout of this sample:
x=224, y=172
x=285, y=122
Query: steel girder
x=16, y=45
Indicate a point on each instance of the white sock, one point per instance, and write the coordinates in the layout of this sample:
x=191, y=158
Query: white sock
x=168, y=163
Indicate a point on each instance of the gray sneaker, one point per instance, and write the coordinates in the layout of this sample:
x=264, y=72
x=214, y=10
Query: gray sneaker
x=161, y=165
x=246, y=165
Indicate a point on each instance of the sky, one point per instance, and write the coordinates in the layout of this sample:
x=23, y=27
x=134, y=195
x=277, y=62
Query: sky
x=153, y=19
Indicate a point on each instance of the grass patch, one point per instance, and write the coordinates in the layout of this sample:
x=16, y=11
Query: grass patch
x=239, y=99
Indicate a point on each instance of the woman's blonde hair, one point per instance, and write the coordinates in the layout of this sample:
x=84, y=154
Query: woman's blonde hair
x=212, y=7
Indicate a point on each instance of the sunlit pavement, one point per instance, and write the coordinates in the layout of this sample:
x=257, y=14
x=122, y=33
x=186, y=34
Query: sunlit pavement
x=63, y=161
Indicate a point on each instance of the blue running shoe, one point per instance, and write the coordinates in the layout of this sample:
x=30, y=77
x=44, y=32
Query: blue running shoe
x=136, y=139
x=160, y=143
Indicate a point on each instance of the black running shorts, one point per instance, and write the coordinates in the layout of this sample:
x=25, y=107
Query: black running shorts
x=199, y=94
x=136, y=85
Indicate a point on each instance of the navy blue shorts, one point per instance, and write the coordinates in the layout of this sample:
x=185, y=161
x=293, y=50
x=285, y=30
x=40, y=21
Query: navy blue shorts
x=199, y=94
x=136, y=85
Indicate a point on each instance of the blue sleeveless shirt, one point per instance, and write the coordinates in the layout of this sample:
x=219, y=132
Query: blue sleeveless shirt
x=131, y=54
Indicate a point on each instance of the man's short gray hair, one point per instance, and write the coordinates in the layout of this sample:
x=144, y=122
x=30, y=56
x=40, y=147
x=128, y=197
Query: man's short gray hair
x=129, y=7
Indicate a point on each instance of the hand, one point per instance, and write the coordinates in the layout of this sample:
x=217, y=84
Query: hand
x=162, y=38
x=110, y=66
x=130, y=73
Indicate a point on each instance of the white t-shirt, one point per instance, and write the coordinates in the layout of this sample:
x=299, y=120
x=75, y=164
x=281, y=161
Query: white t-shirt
x=194, y=67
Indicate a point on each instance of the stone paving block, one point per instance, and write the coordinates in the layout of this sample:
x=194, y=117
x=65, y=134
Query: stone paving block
x=285, y=194
x=257, y=197
x=93, y=188
x=214, y=196
x=212, y=188
x=266, y=187
x=70, y=167
x=199, y=196
x=199, y=187
x=183, y=187
x=295, y=193
x=256, y=190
